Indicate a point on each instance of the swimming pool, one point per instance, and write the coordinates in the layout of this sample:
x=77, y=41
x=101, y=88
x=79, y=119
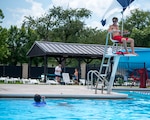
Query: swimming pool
x=135, y=108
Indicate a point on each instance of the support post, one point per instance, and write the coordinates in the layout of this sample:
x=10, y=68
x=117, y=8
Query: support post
x=45, y=68
x=79, y=68
x=29, y=67
x=112, y=77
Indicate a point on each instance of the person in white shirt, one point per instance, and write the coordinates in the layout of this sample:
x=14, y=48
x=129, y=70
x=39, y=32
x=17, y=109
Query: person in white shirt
x=58, y=71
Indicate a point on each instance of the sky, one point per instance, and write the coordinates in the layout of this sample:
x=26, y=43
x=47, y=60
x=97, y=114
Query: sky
x=16, y=10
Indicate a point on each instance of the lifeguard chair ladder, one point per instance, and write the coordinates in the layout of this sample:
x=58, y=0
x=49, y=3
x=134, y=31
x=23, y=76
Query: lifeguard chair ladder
x=105, y=64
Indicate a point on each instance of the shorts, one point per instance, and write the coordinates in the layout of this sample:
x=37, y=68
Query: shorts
x=57, y=75
x=118, y=38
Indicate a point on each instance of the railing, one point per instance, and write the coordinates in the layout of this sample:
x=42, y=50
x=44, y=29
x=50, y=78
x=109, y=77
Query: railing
x=91, y=82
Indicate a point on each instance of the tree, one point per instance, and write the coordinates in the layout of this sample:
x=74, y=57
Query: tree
x=58, y=24
x=138, y=23
x=41, y=25
x=138, y=19
x=4, y=52
x=69, y=24
x=92, y=36
x=3, y=37
x=1, y=15
x=142, y=37
x=19, y=42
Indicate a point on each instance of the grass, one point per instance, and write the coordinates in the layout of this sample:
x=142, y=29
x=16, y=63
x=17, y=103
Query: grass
x=9, y=82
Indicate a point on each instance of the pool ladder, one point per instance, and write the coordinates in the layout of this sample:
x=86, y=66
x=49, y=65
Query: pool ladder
x=99, y=78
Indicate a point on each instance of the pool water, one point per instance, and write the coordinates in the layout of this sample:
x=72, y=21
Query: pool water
x=135, y=108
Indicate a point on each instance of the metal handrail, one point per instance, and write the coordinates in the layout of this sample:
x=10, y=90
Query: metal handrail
x=97, y=74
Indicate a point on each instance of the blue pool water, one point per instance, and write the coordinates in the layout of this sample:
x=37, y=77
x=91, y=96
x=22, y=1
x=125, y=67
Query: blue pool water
x=135, y=108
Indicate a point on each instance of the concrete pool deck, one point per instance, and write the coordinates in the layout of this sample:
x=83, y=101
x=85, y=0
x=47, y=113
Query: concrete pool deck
x=59, y=91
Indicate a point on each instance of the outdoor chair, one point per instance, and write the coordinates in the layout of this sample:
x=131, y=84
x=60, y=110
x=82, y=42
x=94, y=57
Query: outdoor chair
x=52, y=82
x=66, y=79
x=25, y=81
x=115, y=45
x=3, y=79
x=34, y=81
x=82, y=82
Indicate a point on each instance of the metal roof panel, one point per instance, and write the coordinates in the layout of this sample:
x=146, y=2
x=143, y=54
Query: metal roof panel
x=70, y=49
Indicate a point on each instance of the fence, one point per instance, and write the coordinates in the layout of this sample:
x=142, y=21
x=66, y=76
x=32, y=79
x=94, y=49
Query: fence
x=11, y=71
x=124, y=69
x=36, y=72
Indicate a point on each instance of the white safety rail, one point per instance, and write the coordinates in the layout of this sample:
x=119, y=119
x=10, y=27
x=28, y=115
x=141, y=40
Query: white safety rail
x=90, y=78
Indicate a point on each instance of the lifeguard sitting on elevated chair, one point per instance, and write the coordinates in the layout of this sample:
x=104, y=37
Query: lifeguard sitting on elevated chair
x=116, y=35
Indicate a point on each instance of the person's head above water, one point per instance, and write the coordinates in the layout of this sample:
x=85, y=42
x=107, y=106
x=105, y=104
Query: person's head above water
x=37, y=98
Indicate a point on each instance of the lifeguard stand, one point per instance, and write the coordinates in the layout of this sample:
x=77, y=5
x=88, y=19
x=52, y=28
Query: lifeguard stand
x=105, y=64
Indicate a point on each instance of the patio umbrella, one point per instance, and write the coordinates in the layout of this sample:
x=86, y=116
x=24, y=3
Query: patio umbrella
x=116, y=6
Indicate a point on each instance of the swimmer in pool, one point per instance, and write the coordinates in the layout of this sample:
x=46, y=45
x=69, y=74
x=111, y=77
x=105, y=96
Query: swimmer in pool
x=39, y=101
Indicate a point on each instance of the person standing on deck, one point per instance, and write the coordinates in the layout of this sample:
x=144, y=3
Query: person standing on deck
x=58, y=71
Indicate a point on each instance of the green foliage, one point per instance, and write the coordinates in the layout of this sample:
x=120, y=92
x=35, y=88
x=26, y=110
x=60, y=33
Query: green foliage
x=3, y=37
x=19, y=42
x=92, y=36
x=142, y=37
x=4, y=52
x=138, y=19
x=1, y=15
x=59, y=25
x=138, y=23
x=69, y=26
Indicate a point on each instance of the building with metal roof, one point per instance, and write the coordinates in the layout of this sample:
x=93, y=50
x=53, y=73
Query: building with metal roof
x=86, y=52
x=61, y=51
x=69, y=50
